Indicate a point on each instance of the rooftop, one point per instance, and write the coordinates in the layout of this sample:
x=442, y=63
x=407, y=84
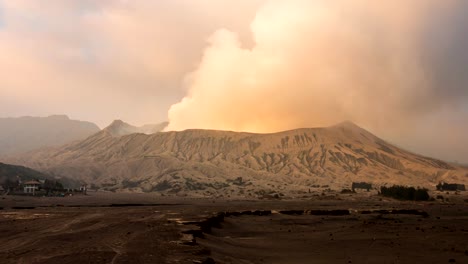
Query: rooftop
x=32, y=183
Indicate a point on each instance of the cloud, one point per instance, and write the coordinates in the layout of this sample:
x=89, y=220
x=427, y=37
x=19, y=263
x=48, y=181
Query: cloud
x=313, y=63
x=316, y=63
x=102, y=60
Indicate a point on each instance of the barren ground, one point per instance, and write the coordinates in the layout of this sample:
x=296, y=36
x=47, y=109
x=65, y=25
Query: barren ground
x=138, y=228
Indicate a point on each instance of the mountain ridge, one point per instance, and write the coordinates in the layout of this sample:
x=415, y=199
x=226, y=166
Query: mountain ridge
x=121, y=128
x=207, y=162
x=27, y=133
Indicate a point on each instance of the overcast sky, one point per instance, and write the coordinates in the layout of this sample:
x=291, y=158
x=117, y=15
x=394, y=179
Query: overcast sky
x=399, y=69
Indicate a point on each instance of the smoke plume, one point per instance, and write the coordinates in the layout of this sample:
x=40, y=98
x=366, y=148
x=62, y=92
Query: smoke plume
x=316, y=63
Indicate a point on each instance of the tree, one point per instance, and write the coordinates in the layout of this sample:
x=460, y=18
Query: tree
x=405, y=193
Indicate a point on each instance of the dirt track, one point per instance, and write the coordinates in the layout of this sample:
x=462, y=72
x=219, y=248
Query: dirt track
x=106, y=230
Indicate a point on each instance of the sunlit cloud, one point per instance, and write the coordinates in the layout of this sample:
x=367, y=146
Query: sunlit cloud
x=316, y=63
x=102, y=60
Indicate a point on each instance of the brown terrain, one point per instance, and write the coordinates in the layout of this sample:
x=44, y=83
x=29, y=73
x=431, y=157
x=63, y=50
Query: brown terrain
x=207, y=163
x=201, y=196
x=148, y=228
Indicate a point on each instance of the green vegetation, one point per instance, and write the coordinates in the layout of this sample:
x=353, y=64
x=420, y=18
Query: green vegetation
x=10, y=173
x=52, y=185
x=405, y=193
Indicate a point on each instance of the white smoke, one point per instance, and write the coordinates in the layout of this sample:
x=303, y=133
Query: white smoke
x=314, y=63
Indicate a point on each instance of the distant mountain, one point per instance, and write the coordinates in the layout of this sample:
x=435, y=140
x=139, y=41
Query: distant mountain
x=23, y=134
x=120, y=128
x=11, y=173
x=209, y=162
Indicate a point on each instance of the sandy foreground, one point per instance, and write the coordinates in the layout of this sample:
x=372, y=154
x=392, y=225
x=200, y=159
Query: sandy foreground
x=147, y=228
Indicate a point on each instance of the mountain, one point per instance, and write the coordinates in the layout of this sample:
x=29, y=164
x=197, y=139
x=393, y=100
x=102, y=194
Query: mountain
x=120, y=128
x=23, y=134
x=209, y=162
x=12, y=173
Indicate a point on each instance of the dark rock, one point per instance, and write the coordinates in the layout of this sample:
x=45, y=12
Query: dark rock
x=292, y=212
x=195, y=233
x=329, y=212
x=22, y=207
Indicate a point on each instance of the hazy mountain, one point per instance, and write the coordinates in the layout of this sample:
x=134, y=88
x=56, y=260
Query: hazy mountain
x=207, y=162
x=12, y=173
x=27, y=133
x=120, y=128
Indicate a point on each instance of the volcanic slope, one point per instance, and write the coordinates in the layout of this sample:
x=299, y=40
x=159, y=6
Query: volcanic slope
x=209, y=162
x=120, y=128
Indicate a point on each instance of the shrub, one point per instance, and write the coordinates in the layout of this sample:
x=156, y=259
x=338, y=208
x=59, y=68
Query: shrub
x=52, y=185
x=405, y=193
x=421, y=195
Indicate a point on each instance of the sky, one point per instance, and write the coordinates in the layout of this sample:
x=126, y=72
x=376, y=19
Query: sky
x=397, y=68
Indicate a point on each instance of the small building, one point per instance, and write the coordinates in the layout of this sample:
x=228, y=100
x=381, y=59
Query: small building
x=361, y=185
x=31, y=187
x=83, y=188
x=442, y=186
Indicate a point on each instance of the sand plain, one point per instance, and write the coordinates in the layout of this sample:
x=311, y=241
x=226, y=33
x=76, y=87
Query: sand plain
x=145, y=228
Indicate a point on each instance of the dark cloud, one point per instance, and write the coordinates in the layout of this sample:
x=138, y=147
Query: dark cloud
x=444, y=53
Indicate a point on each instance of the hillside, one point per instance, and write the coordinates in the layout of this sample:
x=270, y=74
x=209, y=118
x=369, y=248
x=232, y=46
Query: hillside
x=12, y=173
x=23, y=134
x=8, y=171
x=207, y=162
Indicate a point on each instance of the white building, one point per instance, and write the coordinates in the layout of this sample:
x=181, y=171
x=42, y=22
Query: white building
x=31, y=186
x=83, y=188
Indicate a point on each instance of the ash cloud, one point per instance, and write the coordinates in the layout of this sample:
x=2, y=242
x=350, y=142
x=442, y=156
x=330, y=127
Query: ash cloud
x=394, y=68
